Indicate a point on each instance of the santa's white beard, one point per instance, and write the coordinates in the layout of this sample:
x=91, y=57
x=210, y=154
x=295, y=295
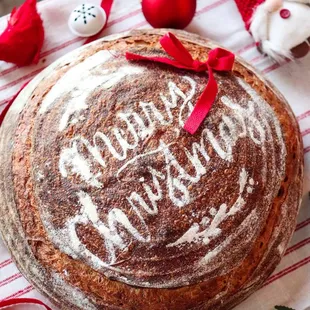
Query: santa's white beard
x=278, y=36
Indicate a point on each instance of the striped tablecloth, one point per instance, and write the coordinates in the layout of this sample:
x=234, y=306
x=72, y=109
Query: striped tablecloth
x=219, y=20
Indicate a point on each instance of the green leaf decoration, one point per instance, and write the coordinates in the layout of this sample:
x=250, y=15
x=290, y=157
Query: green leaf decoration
x=283, y=308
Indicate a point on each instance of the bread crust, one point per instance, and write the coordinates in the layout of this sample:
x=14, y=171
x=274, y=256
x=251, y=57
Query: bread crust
x=27, y=208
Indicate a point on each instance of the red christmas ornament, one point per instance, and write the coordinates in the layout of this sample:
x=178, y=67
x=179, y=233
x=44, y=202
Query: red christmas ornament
x=169, y=14
x=22, y=40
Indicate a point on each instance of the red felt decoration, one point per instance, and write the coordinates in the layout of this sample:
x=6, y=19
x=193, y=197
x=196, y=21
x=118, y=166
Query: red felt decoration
x=219, y=60
x=169, y=14
x=22, y=40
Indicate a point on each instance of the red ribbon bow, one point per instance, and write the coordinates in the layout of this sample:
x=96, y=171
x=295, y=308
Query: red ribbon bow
x=219, y=60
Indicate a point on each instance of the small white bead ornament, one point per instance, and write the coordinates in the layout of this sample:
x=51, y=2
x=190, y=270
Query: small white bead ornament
x=87, y=20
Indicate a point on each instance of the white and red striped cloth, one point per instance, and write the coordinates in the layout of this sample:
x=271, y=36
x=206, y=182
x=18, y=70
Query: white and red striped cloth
x=219, y=20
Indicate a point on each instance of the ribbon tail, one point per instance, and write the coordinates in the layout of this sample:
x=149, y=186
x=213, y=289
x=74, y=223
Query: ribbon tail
x=203, y=105
x=5, y=304
x=176, y=49
x=163, y=60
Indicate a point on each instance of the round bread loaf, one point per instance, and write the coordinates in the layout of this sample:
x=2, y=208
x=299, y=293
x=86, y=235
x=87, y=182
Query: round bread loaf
x=107, y=203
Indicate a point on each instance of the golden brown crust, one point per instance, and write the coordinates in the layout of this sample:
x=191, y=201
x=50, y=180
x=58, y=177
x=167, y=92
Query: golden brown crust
x=212, y=291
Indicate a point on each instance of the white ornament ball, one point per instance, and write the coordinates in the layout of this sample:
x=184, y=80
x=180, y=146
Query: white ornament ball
x=87, y=20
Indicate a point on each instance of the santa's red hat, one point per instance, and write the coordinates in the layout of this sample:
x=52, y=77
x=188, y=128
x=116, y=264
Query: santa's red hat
x=280, y=27
x=247, y=8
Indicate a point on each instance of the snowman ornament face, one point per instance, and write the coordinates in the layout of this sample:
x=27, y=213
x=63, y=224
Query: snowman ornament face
x=87, y=20
x=282, y=28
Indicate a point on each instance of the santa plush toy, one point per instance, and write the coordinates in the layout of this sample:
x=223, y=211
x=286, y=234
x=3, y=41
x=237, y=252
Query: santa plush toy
x=281, y=28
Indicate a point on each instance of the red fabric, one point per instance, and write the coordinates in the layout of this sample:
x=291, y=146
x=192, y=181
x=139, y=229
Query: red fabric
x=106, y=5
x=5, y=304
x=5, y=110
x=246, y=9
x=219, y=60
x=22, y=40
x=169, y=14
